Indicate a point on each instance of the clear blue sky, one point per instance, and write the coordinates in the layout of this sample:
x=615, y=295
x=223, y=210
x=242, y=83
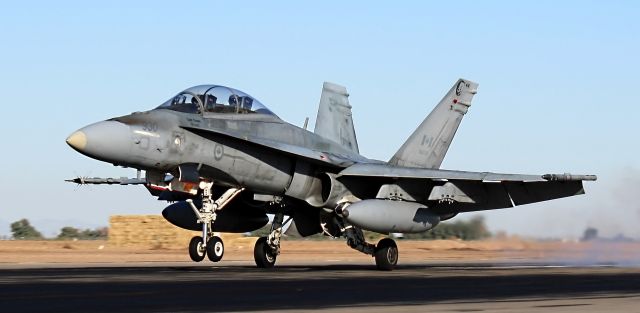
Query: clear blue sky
x=558, y=90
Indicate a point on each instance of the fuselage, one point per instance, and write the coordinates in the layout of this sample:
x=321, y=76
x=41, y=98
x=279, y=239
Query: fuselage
x=162, y=139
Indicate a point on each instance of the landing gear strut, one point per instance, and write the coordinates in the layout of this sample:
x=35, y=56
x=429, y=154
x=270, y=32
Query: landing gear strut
x=209, y=244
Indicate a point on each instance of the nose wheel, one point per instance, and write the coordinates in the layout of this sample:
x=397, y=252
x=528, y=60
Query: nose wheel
x=215, y=249
x=197, y=250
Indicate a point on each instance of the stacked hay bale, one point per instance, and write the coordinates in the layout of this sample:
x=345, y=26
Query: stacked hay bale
x=148, y=232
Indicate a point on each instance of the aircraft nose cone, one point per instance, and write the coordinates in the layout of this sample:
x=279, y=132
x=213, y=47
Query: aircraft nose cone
x=77, y=140
x=108, y=141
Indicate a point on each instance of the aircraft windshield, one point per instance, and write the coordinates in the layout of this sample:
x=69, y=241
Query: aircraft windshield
x=212, y=99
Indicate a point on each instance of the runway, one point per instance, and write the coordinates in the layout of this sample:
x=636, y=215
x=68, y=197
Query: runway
x=185, y=287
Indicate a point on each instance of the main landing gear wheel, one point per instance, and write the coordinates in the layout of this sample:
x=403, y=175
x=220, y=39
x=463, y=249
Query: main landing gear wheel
x=196, y=249
x=386, y=254
x=215, y=249
x=263, y=254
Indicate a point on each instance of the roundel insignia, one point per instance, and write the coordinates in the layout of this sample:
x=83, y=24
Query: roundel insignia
x=459, y=87
x=218, y=151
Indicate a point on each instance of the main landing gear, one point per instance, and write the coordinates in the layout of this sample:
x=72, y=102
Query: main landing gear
x=385, y=252
x=208, y=244
x=267, y=248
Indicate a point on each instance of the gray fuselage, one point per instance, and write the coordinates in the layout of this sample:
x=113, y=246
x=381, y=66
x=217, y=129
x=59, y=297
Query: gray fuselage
x=161, y=140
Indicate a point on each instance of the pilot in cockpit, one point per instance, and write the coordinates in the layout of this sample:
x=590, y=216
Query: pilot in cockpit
x=243, y=103
x=210, y=103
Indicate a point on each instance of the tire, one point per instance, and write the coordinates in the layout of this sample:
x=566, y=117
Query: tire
x=263, y=254
x=386, y=254
x=195, y=249
x=215, y=249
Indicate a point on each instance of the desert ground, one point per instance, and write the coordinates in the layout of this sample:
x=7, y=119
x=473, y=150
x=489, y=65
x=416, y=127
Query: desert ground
x=19, y=252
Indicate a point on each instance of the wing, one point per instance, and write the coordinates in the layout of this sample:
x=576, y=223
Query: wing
x=459, y=191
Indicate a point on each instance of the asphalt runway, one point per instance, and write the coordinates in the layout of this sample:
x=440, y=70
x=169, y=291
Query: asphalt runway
x=185, y=287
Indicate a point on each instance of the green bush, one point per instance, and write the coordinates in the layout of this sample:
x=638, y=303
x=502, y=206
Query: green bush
x=22, y=230
x=87, y=234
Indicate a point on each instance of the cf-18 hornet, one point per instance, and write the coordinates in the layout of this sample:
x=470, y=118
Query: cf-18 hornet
x=226, y=162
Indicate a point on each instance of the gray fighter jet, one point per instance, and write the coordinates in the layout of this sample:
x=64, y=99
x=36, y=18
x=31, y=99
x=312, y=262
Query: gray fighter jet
x=225, y=161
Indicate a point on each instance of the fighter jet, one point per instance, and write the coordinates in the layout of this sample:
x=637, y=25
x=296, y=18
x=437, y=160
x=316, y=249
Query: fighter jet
x=226, y=162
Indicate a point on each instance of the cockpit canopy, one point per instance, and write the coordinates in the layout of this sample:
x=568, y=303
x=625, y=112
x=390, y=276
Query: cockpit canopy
x=211, y=99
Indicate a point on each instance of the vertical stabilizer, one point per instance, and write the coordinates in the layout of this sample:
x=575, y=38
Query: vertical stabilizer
x=429, y=143
x=334, y=120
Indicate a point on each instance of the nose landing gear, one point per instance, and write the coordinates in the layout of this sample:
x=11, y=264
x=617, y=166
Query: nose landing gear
x=209, y=244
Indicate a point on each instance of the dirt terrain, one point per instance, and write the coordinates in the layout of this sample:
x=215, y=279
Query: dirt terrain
x=333, y=252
